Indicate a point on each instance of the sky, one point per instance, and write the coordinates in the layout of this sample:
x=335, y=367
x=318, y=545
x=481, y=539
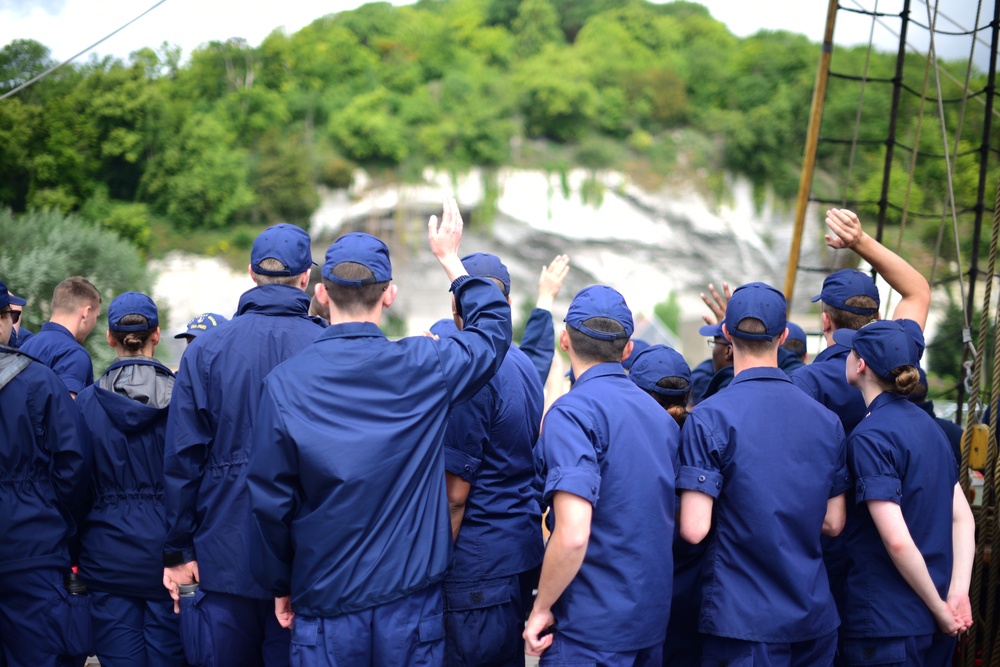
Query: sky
x=69, y=26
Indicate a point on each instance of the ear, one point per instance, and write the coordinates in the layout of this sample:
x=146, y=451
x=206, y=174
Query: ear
x=564, y=340
x=319, y=289
x=784, y=337
x=156, y=336
x=111, y=339
x=250, y=271
x=389, y=295
x=627, y=352
x=304, y=280
x=725, y=332
x=826, y=323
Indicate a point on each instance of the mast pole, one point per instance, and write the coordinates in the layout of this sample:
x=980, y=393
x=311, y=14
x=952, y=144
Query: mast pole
x=809, y=158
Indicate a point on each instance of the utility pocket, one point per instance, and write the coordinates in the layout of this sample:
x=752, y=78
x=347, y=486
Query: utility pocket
x=459, y=597
x=196, y=631
x=869, y=652
x=71, y=617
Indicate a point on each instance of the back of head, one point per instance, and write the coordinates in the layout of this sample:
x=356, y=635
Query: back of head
x=356, y=272
x=850, y=299
x=796, y=341
x=199, y=324
x=132, y=320
x=891, y=350
x=663, y=374
x=485, y=265
x=599, y=324
x=638, y=345
x=756, y=318
x=280, y=254
x=74, y=293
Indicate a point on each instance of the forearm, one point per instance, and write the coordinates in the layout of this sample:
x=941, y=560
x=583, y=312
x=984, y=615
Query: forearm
x=963, y=544
x=911, y=565
x=911, y=285
x=457, y=511
x=563, y=558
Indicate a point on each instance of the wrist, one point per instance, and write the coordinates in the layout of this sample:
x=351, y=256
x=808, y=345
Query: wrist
x=544, y=303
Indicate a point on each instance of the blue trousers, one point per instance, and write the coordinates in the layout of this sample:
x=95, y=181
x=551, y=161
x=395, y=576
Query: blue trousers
x=936, y=650
x=133, y=632
x=222, y=630
x=41, y=625
x=484, y=620
x=408, y=632
x=738, y=653
x=565, y=652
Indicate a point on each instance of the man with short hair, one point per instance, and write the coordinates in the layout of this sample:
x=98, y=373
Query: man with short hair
x=45, y=460
x=606, y=455
x=200, y=324
x=495, y=516
x=767, y=465
x=347, y=480
x=208, y=446
x=76, y=304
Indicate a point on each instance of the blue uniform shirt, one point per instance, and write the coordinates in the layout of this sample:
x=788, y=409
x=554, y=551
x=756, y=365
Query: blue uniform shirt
x=210, y=432
x=897, y=453
x=347, y=471
x=45, y=460
x=55, y=347
x=825, y=380
x=609, y=443
x=489, y=444
x=538, y=342
x=772, y=458
x=18, y=338
x=701, y=376
x=122, y=540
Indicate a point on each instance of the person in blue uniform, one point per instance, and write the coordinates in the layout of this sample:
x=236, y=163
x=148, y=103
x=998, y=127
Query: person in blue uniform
x=19, y=333
x=347, y=477
x=738, y=448
x=796, y=343
x=120, y=554
x=199, y=324
x=495, y=515
x=76, y=304
x=45, y=461
x=606, y=455
x=538, y=341
x=952, y=431
x=910, y=535
x=207, y=450
x=662, y=373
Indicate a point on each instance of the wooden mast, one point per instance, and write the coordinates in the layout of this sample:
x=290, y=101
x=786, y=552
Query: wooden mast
x=809, y=159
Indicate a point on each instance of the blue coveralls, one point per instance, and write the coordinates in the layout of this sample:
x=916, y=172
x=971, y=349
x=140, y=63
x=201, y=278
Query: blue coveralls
x=45, y=461
x=701, y=376
x=609, y=443
x=489, y=444
x=18, y=338
x=347, y=482
x=538, y=342
x=772, y=458
x=897, y=453
x=209, y=435
x=121, y=556
x=55, y=347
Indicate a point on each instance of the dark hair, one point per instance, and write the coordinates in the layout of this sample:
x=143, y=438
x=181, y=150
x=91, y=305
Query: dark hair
x=595, y=350
x=675, y=405
x=354, y=299
x=133, y=341
x=317, y=309
x=74, y=292
x=905, y=380
x=795, y=346
x=845, y=319
x=272, y=264
x=755, y=348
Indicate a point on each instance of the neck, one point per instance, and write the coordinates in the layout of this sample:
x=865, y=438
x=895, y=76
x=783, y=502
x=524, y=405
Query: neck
x=373, y=317
x=870, y=390
x=743, y=361
x=580, y=367
x=71, y=322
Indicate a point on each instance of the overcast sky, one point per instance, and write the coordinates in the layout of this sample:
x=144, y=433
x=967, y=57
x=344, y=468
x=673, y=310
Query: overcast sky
x=68, y=26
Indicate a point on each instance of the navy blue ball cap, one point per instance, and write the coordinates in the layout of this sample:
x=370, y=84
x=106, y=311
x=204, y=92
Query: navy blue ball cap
x=132, y=303
x=759, y=301
x=885, y=345
x=638, y=345
x=485, y=265
x=795, y=332
x=655, y=363
x=199, y=324
x=600, y=301
x=712, y=330
x=845, y=284
x=359, y=248
x=6, y=298
x=286, y=243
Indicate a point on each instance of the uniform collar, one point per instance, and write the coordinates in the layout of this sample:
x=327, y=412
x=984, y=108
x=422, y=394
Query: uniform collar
x=760, y=373
x=351, y=330
x=274, y=300
x=601, y=370
x=832, y=351
x=885, y=398
x=58, y=328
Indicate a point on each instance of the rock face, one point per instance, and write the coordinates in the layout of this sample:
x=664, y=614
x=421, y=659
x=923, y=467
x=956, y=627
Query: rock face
x=645, y=244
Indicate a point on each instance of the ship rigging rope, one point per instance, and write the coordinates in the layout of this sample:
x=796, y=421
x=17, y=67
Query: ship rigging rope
x=52, y=69
x=857, y=116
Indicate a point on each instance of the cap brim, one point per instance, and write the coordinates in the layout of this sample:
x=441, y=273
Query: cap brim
x=845, y=337
x=710, y=330
x=185, y=334
x=16, y=300
x=817, y=298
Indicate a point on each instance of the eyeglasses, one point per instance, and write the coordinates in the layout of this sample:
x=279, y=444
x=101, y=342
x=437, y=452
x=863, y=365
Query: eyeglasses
x=15, y=315
x=712, y=342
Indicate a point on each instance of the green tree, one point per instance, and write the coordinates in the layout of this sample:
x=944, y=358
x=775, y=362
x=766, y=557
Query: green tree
x=945, y=349
x=536, y=25
x=556, y=99
x=282, y=180
x=41, y=249
x=370, y=129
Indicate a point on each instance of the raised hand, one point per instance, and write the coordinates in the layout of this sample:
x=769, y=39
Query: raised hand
x=845, y=228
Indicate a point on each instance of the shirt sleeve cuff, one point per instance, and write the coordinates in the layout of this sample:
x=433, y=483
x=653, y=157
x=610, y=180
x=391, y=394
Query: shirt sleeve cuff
x=459, y=463
x=878, y=488
x=697, y=479
x=579, y=482
x=841, y=482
